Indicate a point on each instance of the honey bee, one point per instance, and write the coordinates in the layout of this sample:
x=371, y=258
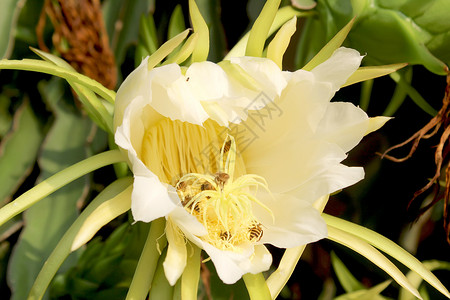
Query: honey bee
x=196, y=208
x=181, y=186
x=186, y=200
x=221, y=178
x=206, y=186
x=255, y=232
x=225, y=235
x=227, y=146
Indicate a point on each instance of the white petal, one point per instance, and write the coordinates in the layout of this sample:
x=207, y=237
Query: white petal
x=343, y=124
x=187, y=222
x=226, y=263
x=150, y=199
x=130, y=133
x=265, y=72
x=259, y=262
x=207, y=81
x=172, y=97
x=342, y=63
x=286, y=166
x=135, y=85
x=328, y=181
x=230, y=266
x=295, y=221
x=175, y=261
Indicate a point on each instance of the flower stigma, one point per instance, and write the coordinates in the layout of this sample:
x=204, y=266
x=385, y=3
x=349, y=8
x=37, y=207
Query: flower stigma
x=224, y=204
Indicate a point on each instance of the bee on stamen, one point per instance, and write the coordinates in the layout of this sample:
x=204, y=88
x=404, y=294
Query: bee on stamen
x=181, y=186
x=255, y=232
x=226, y=146
x=221, y=179
x=225, y=235
x=196, y=208
x=206, y=186
x=186, y=200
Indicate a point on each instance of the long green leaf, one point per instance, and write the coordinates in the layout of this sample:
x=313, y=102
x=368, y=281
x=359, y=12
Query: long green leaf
x=94, y=107
x=57, y=181
x=161, y=288
x=329, y=48
x=346, y=279
x=191, y=275
x=101, y=216
x=283, y=15
x=416, y=280
x=49, y=68
x=145, y=271
x=212, y=13
x=200, y=53
x=400, y=93
x=256, y=286
x=185, y=51
x=166, y=49
x=365, y=249
x=366, y=73
x=414, y=94
x=279, y=44
x=388, y=247
x=372, y=293
x=261, y=28
x=63, y=249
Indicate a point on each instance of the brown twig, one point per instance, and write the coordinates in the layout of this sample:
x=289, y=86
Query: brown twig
x=442, y=119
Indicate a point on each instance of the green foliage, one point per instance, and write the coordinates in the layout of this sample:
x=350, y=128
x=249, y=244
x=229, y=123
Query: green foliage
x=105, y=269
x=388, y=31
x=345, y=277
x=49, y=219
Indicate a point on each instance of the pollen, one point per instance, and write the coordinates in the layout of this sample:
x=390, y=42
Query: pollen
x=223, y=204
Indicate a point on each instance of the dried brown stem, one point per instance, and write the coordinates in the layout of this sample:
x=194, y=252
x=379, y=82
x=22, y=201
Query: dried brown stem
x=80, y=36
x=442, y=119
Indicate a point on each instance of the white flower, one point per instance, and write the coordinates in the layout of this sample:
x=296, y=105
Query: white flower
x=235, y=160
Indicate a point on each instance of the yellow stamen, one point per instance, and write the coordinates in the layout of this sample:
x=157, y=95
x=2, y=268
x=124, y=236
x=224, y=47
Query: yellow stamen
x=205, y=166
x=224, y=205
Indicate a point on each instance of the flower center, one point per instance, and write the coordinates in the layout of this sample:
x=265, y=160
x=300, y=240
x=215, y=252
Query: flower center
x=224, y=204
x=172, y=149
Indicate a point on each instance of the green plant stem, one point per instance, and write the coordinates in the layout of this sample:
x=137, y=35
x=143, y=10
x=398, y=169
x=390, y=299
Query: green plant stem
x=281, y=275
x=145, y=271
x=57, y=181
x=161, y=288
x=413, y=94
x=256, y=286
x=191, y=275
x=366, y=91
x=177, y=291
